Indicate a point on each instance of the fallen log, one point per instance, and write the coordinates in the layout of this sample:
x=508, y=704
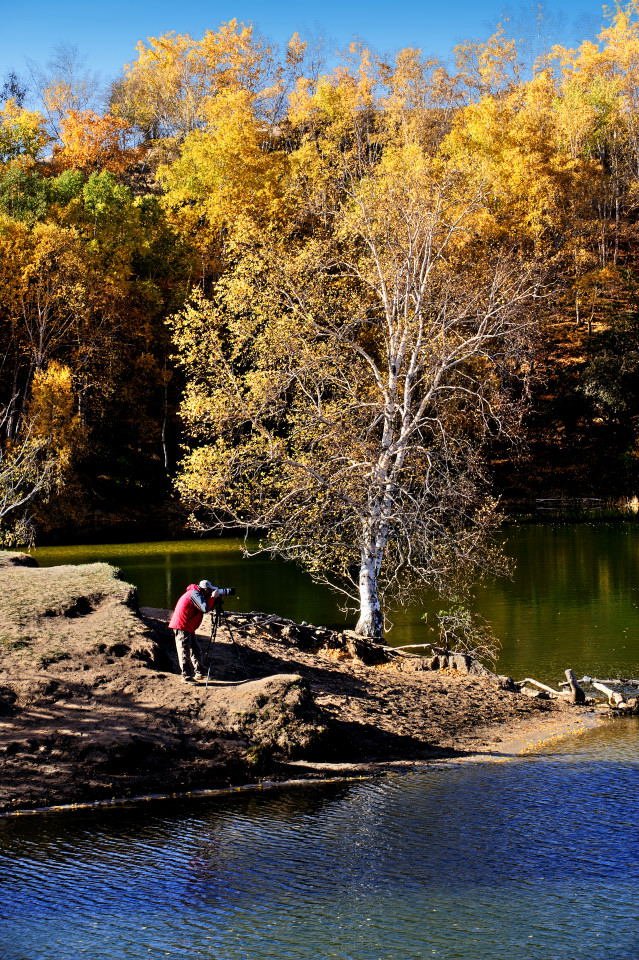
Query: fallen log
x=400, y=652
x=622, y=682
x=542, y=686
x=619, y=701
x=614, y=699
x=413, y=646
x=617, y=681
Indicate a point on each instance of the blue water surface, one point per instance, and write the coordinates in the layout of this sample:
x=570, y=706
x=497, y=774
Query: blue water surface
x=535, y=858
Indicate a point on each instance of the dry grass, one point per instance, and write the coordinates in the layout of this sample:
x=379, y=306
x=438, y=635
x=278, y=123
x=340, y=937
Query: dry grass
x=64, y=612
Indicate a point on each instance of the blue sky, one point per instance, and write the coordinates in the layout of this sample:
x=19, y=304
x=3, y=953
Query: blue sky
x=106, y=33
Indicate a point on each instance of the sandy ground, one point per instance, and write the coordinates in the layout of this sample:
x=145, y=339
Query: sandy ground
x=392, y=714
x=92, y=707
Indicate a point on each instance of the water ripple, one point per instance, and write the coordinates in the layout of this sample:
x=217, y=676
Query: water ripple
x=539, y=857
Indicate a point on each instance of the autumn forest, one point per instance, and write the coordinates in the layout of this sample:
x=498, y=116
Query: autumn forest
x=217, y=289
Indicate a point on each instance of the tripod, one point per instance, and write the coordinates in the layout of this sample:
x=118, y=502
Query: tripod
x=218, y=613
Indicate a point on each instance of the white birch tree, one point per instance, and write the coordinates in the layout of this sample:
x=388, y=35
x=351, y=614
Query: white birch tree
x=350, y=384
x=351, y=364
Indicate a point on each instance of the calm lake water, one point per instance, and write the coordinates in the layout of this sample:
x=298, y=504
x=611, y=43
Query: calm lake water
x=535, y=858
x=573, y=600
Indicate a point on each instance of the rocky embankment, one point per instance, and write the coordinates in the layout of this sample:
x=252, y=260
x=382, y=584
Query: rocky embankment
x=92, y=707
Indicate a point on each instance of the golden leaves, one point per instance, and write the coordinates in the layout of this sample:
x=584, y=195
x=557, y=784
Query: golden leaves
x=52, y=411
x=22, y=132
x=169, y=89
x=90, y=141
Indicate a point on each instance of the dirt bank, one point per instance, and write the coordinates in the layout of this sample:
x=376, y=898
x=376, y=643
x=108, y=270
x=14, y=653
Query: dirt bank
x=91, y=706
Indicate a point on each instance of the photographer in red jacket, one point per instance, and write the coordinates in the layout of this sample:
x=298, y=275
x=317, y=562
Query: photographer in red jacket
x=197, y=600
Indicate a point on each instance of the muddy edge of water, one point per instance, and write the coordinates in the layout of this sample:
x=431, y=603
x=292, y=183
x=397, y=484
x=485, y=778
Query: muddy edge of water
x=500, y=745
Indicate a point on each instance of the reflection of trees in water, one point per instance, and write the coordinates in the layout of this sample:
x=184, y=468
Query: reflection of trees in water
x=588, y=572
x=162, y=570
x=573, y=600
x=573, y=563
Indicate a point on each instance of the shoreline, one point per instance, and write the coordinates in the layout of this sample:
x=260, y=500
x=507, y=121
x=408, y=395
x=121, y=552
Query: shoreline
x=523, y=738
x=93, y=711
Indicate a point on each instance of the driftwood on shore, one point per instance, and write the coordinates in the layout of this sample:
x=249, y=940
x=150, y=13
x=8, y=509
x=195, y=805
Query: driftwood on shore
x=537, y=683
x=615, y=699
x=571, y=689
x=577, y=694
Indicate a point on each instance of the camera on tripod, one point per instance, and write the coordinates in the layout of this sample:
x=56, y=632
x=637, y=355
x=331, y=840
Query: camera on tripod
x=220, y=596
x=218, y=614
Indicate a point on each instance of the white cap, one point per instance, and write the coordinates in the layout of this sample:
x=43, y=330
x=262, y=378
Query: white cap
x=206, y=585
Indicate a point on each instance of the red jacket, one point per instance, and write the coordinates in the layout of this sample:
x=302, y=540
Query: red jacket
x=187, y=616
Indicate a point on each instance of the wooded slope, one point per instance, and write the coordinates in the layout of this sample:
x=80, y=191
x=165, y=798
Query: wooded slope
x=110, y=218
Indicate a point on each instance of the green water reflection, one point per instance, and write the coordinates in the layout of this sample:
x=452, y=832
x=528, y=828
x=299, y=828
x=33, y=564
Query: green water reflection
x=162, y=569
x=572, y=601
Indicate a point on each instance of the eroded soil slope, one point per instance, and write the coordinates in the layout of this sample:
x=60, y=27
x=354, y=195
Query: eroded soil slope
x=91, y=705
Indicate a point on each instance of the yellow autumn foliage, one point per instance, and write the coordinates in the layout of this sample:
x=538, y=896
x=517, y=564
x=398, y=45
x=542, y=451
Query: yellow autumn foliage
x=52, y=413
x=22, y=132
x=90, y=142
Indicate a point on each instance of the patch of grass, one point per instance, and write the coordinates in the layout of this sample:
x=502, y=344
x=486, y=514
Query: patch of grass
x=58, y=591
x=53, y=614
x=46, y=659
x=10, y=643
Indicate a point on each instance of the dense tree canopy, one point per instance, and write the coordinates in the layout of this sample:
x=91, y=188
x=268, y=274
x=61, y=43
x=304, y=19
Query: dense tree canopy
x=360, y=345
x=372, y=275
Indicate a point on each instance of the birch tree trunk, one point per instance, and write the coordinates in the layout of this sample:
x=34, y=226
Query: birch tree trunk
x=371, y=620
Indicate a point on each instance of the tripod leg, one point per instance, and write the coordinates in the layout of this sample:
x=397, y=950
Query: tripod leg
x=228, y=626
x=214, y=626
x=237, y=648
